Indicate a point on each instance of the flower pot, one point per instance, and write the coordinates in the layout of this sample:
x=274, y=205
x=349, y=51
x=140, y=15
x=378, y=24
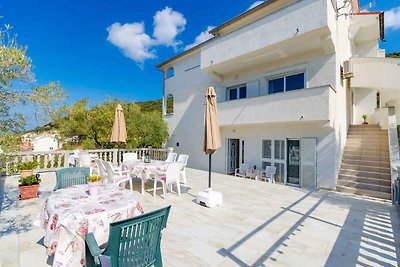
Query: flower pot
x=94, y=188
x=28, y=191
x=26, y=173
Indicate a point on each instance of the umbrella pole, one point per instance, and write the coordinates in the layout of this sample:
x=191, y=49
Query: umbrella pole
x=209, y=171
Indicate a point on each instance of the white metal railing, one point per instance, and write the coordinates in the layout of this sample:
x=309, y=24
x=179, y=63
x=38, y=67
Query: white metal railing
x=394, y=154
x=53, y=160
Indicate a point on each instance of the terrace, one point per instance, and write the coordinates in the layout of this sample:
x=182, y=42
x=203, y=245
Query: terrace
x=259, y=224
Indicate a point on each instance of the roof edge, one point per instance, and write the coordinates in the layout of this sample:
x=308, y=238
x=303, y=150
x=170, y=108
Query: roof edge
x=184, y=53
x=240, y=16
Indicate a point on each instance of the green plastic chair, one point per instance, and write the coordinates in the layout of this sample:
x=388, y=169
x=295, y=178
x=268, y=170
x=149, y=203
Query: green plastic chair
x=71, y=176
x=132, y=242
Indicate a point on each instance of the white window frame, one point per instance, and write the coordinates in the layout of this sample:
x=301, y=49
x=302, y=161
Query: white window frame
x=284, y=75
x=237, y=87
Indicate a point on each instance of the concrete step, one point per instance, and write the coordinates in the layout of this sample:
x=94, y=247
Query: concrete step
x=367, y=142
x=365, y=149
x=370, y=187
x=367, y=133
x=366, y=158
x=366, y=153
x=356, y=173
x=365, y=126
x=384, y=164
x=363, y=192
x=364, y=180
x=367, y=168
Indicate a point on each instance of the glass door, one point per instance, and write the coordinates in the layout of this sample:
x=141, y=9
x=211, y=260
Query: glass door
x=233, y=155
x=293, y=162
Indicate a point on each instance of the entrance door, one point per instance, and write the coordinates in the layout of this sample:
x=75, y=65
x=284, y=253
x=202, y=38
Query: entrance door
x=233, y=155
x=293, y=162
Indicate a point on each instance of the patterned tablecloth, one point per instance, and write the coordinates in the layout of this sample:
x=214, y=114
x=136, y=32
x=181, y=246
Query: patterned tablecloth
x=144, y=170
x=68, y=214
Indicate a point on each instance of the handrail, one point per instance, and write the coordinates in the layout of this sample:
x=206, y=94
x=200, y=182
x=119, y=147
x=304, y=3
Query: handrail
x=394, y=155
x=53, y=160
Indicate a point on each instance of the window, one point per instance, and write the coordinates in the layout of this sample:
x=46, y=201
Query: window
x=286, y=83
x=378, y=100
x=169, y=105
x=237, y=92
x=273, y=154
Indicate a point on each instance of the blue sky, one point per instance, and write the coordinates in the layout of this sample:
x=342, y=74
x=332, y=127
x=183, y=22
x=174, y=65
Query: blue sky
x=84, y=44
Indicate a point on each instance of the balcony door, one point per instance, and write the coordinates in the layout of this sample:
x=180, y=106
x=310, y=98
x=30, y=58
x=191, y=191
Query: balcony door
x=293, y=162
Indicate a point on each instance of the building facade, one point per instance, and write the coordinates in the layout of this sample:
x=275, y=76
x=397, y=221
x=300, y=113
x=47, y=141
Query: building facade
x=290, y=77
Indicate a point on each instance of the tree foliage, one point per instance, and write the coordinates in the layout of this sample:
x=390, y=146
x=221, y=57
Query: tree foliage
x=93, y=125
x=16, y=76
x=393, y=55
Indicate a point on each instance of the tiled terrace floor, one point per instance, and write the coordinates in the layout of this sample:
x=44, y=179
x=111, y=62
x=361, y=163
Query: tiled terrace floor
x=260, y=224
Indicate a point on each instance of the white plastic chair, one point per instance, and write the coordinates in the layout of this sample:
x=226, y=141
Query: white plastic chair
x=270, y=172
x=168, y=177
x=130, y=157
x=183, y=159
x=101, y=170
x=241, y=171
x=85, y=161
x=117, y=176
x=171, y=157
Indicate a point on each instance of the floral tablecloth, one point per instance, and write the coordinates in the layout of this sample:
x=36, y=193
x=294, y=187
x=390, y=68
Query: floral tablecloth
x=68, y=214
x=144, y=170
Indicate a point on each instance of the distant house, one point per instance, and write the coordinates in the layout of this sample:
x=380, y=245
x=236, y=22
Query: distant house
x=45, y=143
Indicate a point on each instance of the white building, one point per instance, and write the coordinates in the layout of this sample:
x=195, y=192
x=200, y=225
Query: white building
x=45, y=143
x=291, y=76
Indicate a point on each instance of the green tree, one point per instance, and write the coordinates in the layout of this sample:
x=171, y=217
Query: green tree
x=15, y=76
x=93, y=125
x=393, y=55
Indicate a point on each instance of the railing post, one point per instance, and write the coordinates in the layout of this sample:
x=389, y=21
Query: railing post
x=115, y=155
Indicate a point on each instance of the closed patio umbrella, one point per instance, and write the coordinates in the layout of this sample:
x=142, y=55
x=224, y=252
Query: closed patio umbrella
x=118, y=134
x=212, y=139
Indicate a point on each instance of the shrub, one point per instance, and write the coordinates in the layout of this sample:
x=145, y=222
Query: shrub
x=30, y=180
x=28, y=165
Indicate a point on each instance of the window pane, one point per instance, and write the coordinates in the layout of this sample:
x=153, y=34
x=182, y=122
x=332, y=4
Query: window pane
x=280, y=172
x=266, y=149
x=265, y=164
x=275, y=86
x=232, y=94
x=294, y=82
x=279, y=152
x=242, y=92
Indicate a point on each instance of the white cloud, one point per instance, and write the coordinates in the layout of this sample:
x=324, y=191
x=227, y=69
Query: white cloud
x=202, y=37
x=132, y=40
x=256, y=3
x=167, y=25
x=392, y=18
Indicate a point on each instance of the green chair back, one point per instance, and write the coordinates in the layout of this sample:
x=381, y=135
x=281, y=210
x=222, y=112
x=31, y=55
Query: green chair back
x=134, y=242
x=71, y=176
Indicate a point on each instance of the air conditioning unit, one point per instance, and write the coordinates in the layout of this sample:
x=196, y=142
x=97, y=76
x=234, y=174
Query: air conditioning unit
x=347, y=69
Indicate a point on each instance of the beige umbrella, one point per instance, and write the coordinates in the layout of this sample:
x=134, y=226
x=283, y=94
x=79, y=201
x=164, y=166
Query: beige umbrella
x=118, y=134
x=212, y=138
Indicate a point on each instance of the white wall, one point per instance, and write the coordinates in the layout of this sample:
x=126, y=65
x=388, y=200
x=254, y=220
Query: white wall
x=271, y=29
x=253, y=135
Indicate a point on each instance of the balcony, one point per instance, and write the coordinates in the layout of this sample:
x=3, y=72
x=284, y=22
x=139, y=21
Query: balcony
x=376, y=73
x=305, y=105
x=287, y=33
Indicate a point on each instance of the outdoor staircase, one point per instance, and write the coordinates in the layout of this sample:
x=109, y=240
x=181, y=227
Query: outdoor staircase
x=365, y=168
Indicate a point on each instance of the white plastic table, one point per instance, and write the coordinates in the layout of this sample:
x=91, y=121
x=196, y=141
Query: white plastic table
x=144, y=170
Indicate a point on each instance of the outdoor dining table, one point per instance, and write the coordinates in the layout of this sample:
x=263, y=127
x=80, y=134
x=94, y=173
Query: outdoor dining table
x=69, y=213
x=144, y=170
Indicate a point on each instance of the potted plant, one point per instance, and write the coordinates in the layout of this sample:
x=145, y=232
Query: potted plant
x=364, y=116
x=94, y=182
x=29, y=186
x=26, y=168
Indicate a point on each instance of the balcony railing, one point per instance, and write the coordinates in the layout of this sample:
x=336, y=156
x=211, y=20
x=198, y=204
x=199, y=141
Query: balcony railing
x=53, y=160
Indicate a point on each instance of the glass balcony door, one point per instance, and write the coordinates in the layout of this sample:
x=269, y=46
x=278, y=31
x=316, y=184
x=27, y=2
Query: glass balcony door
x=293, y=162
